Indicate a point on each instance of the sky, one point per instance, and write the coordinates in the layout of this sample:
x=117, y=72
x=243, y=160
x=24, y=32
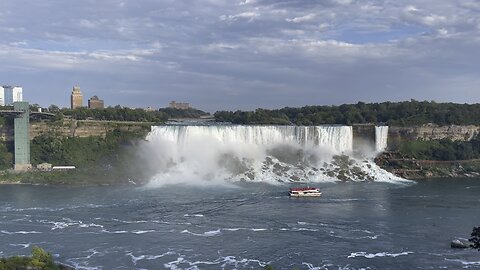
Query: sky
x=241, y=54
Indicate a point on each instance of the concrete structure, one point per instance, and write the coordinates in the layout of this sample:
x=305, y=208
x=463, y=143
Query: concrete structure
x=95, y=103
x=44, y=166
x=76, y=99
x=22, y=136
x=179, y=105
x=63, y=168
x=149, y=109
x=10, y=94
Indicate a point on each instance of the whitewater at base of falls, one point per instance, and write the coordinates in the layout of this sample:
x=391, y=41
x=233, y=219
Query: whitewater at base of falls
x=204, y=155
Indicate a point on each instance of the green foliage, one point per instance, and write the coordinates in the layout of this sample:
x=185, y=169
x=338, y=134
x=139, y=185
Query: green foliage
x=80, y=152
x=116, y=113
x=405, y=113
x=119, y=113
x=40, y=260
x=6, y=156
x=475, y=238
x=441, y=149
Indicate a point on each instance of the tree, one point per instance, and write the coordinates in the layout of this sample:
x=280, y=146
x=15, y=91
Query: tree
x=53, y=108
x=475, y=238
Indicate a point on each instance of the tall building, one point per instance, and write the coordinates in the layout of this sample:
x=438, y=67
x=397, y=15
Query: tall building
x=95, y=103
x=10, y=94
x=179, y=105
x=76, y=99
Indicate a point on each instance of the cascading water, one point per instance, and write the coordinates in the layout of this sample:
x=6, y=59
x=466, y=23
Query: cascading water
x=334, y=138
x=213, y=154
x=381, y=138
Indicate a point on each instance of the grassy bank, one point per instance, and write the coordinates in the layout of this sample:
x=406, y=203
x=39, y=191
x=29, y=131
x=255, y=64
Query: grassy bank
x=98, y=160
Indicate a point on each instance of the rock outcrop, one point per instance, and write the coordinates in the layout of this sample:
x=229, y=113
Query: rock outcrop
x=460, y=243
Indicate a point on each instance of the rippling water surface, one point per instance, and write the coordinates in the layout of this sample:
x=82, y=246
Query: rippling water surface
x=353, y=226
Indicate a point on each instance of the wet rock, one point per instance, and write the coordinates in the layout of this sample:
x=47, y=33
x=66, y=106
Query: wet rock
x=460, y=243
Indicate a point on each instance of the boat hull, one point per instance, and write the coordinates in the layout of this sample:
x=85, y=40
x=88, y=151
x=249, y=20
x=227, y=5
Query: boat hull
x=305, y=195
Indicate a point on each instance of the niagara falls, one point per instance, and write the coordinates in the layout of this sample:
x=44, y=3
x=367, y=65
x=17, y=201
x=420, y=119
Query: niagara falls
x=271, y=154
x=239, y=135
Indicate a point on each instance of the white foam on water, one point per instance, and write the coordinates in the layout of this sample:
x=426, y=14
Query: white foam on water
x=135, y=259
x=380, y=254
x=83, y=262
x=233, y=229
x=58, y=225
x=465, y=263
x=205, y=234
x=227, y=262
x=20, y=232
x=258, y=230
x=142, y=231
x=115, y=232
x=21, y=245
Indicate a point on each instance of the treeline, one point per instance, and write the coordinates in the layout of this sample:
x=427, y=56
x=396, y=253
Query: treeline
x=391, y=113
x=119, y=113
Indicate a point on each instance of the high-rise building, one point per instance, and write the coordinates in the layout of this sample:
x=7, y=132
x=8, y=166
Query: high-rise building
x=76, y=99
x=95, y=103
x=10, y=94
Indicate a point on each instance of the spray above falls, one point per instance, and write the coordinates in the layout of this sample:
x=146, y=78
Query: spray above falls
x=211, y=154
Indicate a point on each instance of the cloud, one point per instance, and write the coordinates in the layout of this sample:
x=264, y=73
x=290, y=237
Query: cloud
x=306, y=18
x=242, y=54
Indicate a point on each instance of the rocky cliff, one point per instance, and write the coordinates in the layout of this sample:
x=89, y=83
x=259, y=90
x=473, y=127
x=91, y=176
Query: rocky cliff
x=433, y=132
x=76, y=128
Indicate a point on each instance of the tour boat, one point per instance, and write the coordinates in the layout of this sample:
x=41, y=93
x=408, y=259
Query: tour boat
x=305, y=192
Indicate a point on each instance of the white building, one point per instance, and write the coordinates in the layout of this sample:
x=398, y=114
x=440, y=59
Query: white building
x=10, y=94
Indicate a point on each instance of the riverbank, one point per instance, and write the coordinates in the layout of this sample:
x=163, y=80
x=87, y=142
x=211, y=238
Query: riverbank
x=85, y=177
x=412, y=168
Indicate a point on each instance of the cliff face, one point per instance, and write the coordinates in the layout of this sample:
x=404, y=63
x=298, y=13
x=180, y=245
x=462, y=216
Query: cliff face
x=433, y=132
x=76, y=128
x=85, y=128
x=362, y=133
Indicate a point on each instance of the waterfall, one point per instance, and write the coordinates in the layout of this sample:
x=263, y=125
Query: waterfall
x=381, y=138
x=338, y=139
x=215, y=154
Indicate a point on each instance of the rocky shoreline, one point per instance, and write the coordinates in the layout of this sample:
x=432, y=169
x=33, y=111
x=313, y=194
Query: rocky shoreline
x=427, y=169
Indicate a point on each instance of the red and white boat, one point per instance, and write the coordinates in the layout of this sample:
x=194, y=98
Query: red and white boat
x=305, y=192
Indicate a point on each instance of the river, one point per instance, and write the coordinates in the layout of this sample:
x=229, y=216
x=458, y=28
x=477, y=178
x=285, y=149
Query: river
x=245, y=226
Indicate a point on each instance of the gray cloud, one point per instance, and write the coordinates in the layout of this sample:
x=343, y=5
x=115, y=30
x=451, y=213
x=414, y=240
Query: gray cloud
x=221, y=54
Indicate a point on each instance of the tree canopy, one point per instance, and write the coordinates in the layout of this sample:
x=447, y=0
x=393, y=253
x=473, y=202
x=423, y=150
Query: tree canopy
x=404, y=113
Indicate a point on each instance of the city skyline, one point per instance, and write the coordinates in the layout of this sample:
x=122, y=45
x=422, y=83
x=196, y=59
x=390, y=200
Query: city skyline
x=242, y=54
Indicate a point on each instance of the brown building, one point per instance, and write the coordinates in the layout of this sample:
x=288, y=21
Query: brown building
x=179, y=105
x=95, y=103
x=76, y=99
